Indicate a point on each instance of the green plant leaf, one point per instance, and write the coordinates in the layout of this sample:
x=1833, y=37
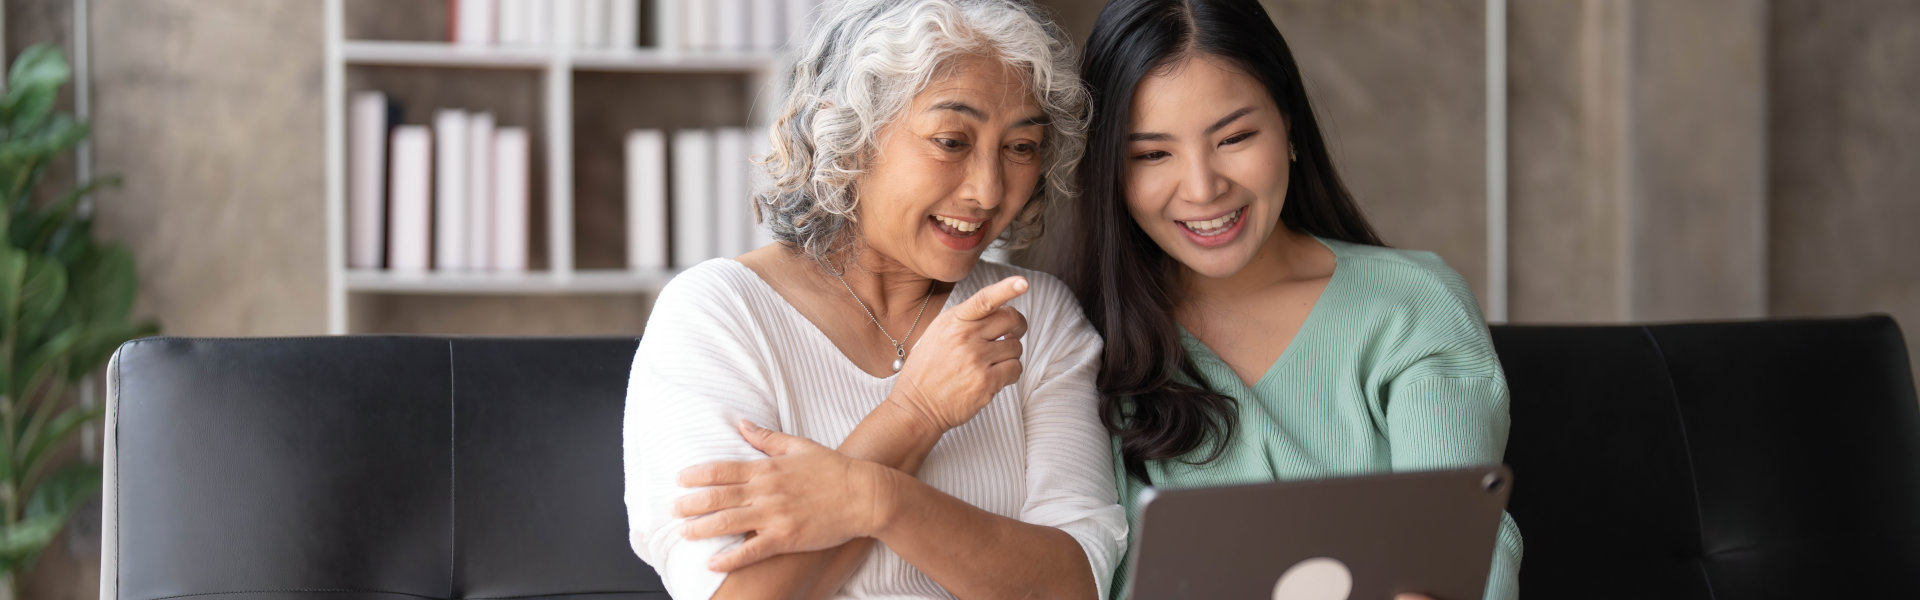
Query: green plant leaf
x=42, y=291
x=63, y=491
x=28, y=107
x=43, y=439
x=40, y=65
x=102, y=341
x=13, y=273
x=59, y=134
x=25, y=538
x=103, y=284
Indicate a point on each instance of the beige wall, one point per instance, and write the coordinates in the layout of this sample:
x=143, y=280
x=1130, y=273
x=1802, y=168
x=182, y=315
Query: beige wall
x=1845, y=160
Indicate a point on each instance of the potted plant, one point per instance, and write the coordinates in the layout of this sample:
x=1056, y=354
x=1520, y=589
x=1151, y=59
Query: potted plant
x=65, y=304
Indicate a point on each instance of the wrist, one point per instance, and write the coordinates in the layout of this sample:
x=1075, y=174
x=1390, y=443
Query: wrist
x=885, y=488
x=907, y=411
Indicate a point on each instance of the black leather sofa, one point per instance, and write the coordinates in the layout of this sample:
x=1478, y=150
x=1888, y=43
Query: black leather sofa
x=1729, y=461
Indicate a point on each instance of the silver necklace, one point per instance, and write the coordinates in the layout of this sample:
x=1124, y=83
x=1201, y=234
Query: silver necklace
x=899, y=346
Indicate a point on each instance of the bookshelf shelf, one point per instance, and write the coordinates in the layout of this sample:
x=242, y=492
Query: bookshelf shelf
x=435, y=54
x=638, y=60
x=542, y=282
x=558, y=65
x=676, y=61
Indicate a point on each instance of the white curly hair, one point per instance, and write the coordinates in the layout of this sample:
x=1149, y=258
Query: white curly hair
x=860, y=69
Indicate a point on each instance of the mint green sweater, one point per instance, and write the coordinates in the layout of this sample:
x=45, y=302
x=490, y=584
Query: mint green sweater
x=1392, y=370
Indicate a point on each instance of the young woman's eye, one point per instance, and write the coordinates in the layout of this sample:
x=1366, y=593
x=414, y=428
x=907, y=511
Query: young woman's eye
x=1151, y=155
x=1237, y=138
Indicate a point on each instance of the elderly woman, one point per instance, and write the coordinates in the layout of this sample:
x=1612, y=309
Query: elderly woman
x=793, y=406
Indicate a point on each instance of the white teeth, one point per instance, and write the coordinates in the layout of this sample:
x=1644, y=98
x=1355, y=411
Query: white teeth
x=1215, y=226
x=959, y=225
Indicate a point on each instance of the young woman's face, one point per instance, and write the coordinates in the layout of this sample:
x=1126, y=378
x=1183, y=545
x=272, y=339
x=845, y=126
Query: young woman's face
x=1206, y=164
x=953, y=170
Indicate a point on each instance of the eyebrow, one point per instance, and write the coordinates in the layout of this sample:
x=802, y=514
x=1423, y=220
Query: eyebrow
x=979, y=115
x=1211, y=129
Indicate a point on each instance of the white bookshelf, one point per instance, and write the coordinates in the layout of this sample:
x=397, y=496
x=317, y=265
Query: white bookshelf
x=557, y=64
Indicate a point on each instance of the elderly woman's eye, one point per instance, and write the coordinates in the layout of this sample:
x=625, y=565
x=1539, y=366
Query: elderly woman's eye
x=950, y=144
x=1023, y=151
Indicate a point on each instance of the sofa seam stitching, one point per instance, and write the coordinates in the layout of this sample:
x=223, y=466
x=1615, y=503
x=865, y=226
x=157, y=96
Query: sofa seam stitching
x=1686, y=444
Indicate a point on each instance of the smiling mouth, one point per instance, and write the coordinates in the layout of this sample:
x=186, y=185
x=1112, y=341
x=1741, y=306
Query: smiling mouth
x=956, y=227
x=1214, y=227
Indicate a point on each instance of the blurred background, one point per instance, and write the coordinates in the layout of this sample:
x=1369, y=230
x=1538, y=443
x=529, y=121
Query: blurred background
x=1579, y=161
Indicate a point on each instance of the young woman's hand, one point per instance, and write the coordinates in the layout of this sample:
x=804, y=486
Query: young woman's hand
x=802, y=497
x=966, y=356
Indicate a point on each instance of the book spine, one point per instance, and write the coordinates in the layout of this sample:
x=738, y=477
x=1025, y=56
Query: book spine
x=366, y=185
x=758, y=147
x=646, y=199
x=540, y=21
x=692, y=183
x=450, y=190
x=594, y=26
x=669, y=22
x=623, y=17
x=768, y=32
x=412, y=182
x=513, y=22
x=480, y=192
x=732, y=222
x=799, y=15
x=732, y=25
x=474, y=22
x=511, y=159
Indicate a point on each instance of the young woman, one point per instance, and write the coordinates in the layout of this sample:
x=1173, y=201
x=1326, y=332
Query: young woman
x=1256, y=327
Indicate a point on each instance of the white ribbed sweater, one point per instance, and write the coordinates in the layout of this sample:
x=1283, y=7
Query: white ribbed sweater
x=722, y=345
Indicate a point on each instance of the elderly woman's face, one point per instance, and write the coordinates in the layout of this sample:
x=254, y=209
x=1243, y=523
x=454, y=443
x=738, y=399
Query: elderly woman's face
x=954, y=170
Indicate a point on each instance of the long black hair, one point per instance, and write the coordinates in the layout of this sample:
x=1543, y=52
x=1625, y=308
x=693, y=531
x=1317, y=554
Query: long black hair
x=1125, y=282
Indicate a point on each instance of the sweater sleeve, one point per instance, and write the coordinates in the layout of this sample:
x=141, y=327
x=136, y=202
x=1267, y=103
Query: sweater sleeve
x=1447, y=408
x=1070, y=483
x=697, y=372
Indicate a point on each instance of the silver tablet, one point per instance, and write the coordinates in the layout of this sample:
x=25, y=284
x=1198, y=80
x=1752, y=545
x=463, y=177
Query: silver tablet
x=1366, y=537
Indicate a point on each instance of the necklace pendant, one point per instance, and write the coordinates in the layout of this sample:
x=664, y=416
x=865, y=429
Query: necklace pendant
x=897, y=363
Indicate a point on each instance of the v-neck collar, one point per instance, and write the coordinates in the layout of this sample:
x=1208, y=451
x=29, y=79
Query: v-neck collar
x=969, y=284
x=1200, y=352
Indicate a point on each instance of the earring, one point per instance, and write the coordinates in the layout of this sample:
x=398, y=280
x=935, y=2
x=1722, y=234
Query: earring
x=1291, y=157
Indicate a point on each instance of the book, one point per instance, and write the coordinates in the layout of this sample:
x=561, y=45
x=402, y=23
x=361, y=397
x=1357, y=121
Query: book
x=539, y=16
x=758, y=147
x=733, y=224
x=698, y=29
x=367, y=180
x=646, y=158
x=669, y=19
x=799, y=15
x=480, y=191
x=731, y=24
x=513, y=21
x=769, y=30
x=692, y=209
x=473, y=21
x=450, y=190
x=410, y=228
x=593, y=29
x=511, y=160
x=623, y=20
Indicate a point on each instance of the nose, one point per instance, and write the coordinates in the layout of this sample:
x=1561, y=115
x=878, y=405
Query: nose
x=1202, y=182
x=985, y=180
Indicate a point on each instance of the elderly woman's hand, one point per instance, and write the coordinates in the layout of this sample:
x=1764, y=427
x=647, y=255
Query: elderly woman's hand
x=966, y=356
x=803, y=497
